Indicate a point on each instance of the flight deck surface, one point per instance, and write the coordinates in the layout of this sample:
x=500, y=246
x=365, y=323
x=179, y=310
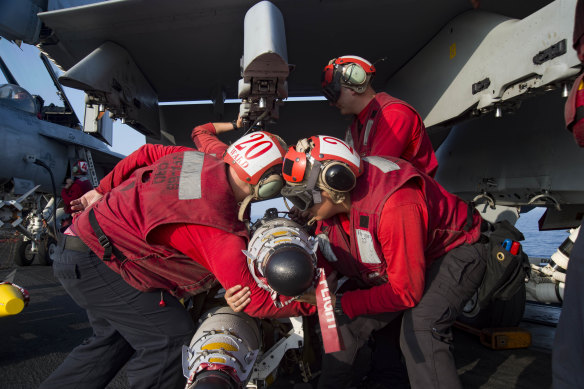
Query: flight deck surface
x=35, y=342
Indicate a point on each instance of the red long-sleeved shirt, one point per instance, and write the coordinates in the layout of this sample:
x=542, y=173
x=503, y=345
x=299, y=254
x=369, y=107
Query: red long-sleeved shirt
x=219, y=251
x=403, y=237
x=399, y=133
x=144, y=156
x=206, y=141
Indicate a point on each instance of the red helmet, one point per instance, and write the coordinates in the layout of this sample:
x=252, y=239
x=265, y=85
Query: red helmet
x=323, y=162
x=257, y=159
x=350, y=71
x=80, y=167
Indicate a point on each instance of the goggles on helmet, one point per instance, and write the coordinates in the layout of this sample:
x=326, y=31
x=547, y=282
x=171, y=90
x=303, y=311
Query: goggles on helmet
x=331, y=83
x=257, y=160
x=80, y=167
x=325, y=163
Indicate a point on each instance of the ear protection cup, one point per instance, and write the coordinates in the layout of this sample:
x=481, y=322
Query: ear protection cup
x=75, y=169
x=269, y=186
x=353, y=74
x=338, y=177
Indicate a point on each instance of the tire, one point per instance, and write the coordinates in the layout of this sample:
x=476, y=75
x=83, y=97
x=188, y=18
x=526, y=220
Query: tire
x=498, y=314
x=48, y=252
x=24, y=257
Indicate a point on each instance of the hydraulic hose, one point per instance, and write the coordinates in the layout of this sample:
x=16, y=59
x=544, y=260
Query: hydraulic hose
x=41, y=163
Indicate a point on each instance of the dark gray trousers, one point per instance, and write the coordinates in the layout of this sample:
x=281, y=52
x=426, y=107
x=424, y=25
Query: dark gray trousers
x=568, y=350
x=426, y=335
x=130, y=328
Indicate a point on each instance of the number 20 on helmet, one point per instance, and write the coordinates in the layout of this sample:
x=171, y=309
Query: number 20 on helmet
x=257, y=159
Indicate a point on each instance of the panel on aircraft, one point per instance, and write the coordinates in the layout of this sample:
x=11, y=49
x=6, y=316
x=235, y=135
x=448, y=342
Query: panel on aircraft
x=190, y=50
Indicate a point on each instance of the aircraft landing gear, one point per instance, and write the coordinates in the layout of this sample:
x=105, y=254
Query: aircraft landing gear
x=45, y=253
x=24, y=254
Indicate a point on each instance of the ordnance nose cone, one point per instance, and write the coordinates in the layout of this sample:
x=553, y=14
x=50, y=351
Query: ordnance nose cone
x=290, y=270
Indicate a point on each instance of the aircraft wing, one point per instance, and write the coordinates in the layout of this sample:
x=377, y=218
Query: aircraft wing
x=461, y=68
x=191, y=50
x=186, y=49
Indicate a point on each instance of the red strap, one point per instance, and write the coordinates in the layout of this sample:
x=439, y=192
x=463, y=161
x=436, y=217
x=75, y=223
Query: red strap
x=331, y=338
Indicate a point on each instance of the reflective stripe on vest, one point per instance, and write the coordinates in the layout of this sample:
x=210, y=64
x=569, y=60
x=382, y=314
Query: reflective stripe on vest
x=367, y=131
x=382, y=164
x=189, y=187
x=366, y=247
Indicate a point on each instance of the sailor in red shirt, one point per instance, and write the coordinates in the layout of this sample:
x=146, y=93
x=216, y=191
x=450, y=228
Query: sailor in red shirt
x=205, y=136
x=73, y=189
x=383, y=125
x=405, y=243
x=164, y=224
x=77, y=186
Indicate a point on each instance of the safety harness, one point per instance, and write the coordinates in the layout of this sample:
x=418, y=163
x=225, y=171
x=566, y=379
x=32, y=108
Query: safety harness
x=108, y=247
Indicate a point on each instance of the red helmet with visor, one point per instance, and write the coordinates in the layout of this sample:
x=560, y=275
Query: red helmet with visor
x=350, y=71
x=319, y=163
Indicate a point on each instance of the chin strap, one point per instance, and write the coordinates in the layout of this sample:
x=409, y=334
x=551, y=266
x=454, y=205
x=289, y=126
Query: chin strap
x=243, y=206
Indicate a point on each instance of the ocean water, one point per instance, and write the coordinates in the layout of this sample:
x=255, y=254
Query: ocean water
x=536, y=244
x=539, y=243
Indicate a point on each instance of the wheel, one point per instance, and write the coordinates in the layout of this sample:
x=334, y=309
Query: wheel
x=24, y=255
x=498, y=314
x=47, y=253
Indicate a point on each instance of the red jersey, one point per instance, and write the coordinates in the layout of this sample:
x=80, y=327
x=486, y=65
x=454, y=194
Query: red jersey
x=78, y=188
x=399, y=222
x=218, y=251
x=144, y=156
x=390, y=127
x=205, y=139
x=221, y=253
